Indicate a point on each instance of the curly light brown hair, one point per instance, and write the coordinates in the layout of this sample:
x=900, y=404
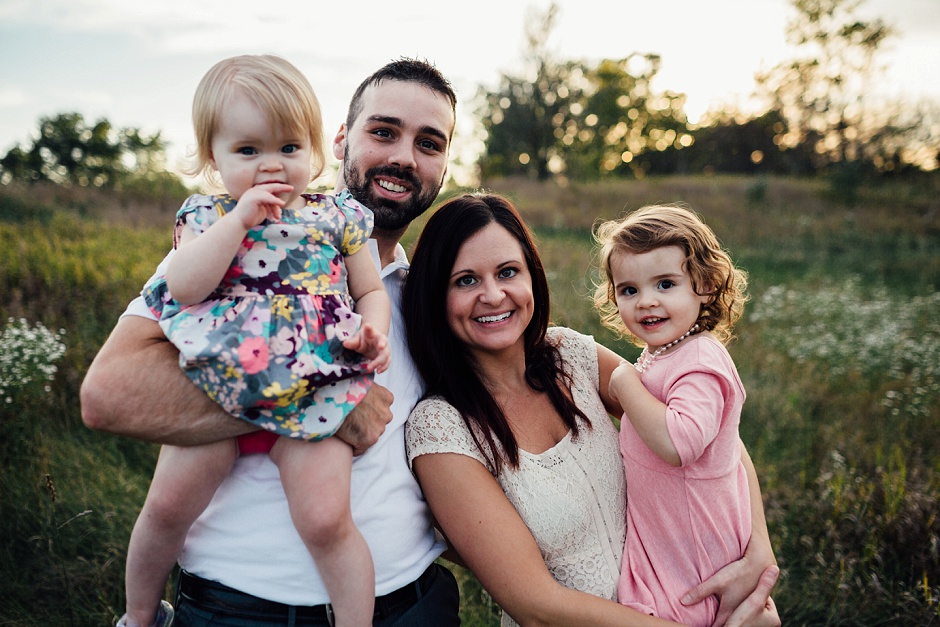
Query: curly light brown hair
x=709, y=266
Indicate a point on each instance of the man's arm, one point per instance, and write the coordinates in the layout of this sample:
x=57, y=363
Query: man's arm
x=134, y=387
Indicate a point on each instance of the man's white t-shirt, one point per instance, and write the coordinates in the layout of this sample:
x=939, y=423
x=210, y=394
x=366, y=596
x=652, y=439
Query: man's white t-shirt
x=246, y=540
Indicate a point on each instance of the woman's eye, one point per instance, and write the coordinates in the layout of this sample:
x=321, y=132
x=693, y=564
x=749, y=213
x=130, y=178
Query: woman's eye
x=508, y=273
x=465, y=281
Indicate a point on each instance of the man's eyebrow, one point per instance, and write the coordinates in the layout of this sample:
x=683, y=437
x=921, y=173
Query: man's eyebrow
x=395, y=121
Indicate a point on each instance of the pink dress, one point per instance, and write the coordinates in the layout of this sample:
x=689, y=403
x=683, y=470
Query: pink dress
x=685, y=523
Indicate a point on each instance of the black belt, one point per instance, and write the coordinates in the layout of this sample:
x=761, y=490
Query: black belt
x=202, y=591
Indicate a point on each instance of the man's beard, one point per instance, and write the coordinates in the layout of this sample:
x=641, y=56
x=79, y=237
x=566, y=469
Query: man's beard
x=390, y=215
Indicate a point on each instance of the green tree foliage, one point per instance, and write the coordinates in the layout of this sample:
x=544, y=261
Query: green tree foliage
x=623, y=124
x=822, y=95
x=70, y=151
x=574, y=117
x=520, y=117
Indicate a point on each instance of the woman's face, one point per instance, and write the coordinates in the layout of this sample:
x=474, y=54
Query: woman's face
x=489, y=295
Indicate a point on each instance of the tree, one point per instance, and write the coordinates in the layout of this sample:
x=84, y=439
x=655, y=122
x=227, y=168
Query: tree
x=624, y=127
x=822, y=95
x=587, y=121
x=68, y=151
x=520, y=117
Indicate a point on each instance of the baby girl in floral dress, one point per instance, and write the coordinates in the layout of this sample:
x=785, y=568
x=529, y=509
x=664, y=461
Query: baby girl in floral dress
x=273, y=299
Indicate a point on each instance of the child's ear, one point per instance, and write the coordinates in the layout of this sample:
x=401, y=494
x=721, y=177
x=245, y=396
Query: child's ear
x=707, y=294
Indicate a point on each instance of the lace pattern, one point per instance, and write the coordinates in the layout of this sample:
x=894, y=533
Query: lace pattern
x=573, y=496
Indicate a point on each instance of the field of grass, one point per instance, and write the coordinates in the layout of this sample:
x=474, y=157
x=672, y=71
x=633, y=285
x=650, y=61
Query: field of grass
x=839, y=350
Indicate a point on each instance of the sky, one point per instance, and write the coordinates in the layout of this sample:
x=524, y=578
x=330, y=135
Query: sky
x=137, y=63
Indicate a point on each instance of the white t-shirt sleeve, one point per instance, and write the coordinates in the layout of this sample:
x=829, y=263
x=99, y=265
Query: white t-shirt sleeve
x=138, y=307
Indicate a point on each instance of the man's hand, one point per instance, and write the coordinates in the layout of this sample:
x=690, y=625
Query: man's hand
x=368, y=420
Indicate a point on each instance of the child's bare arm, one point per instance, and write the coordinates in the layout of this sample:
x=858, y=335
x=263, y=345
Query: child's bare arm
x=198, y=265
x=645, y=412
x=372, y=303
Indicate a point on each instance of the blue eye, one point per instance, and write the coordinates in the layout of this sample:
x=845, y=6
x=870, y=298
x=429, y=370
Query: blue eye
x=290, y=148
x=247, y=151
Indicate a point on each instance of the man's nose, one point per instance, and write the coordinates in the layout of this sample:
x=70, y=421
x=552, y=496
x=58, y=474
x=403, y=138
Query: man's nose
x=403, y=156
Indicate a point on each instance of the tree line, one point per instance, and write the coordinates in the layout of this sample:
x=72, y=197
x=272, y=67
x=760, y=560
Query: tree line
x=587, y=120
x=592, y=120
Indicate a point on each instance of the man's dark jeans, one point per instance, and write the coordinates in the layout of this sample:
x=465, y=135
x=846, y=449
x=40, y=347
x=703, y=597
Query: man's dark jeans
x=437, y=606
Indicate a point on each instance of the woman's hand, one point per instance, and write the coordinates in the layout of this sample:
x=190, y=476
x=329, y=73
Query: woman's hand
x=758, y=609
x=734, y=607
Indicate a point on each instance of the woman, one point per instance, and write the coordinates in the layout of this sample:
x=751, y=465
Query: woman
x=513, y=446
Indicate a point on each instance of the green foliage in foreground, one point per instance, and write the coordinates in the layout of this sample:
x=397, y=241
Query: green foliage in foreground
x=839, y=358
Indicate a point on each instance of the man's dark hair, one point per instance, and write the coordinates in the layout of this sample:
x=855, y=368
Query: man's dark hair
x=408, y=71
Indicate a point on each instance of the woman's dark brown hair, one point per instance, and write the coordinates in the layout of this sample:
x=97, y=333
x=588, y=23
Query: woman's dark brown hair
x=447, y=367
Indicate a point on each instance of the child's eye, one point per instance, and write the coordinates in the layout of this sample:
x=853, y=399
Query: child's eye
x=290, y=148
x=665, y=284
x=628, y=291
x=247, y=151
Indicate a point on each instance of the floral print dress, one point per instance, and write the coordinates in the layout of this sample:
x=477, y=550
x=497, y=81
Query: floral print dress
x=267, y=344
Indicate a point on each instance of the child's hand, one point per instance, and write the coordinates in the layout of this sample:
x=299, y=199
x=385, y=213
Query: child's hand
x=373, y=345
x=623, y=375
x=261, y=202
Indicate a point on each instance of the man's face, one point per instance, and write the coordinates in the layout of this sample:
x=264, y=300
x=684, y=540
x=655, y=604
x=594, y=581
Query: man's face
x=395, y=154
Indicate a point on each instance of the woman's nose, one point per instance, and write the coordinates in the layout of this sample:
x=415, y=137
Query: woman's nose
x=492, y=292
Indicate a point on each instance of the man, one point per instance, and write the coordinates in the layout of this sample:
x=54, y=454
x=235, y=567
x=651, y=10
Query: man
x=243, y=563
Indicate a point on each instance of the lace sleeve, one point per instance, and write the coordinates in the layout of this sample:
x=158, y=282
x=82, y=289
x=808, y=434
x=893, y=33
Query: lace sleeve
x=435, y=426
x=579, y=353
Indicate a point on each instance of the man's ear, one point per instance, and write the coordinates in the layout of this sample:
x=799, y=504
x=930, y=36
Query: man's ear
x=339, y=142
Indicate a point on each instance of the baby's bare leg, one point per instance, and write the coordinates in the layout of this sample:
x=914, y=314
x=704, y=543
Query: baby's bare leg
x=183, y=483
x=316, y=476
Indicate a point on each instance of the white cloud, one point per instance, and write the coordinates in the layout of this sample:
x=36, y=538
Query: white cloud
x=12, y=97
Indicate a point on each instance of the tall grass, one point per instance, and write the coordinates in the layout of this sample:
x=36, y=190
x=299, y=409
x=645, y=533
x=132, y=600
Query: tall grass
x=839, y=352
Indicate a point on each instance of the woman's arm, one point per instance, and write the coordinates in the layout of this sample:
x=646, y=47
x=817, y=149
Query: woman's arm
x=495, y=544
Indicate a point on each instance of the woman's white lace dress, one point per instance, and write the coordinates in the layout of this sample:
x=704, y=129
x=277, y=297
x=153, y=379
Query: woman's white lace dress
x=573, y=496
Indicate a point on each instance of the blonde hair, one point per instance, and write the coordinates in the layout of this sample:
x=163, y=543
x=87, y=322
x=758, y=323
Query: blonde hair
x=276, y=86
x=708, y=265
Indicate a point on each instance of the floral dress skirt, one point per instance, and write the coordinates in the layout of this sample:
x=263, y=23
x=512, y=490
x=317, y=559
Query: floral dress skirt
x=267, y=344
